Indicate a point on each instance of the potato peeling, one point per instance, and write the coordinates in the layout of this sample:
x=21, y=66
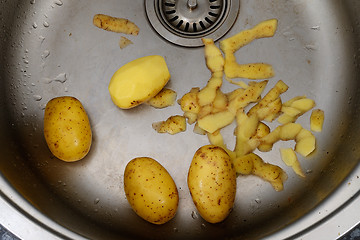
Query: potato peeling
x=124, y=42
x=317, y=120
x=172, y=125
x=230, y=45
x=210, y=109
x=165, y=98
x=114, y=24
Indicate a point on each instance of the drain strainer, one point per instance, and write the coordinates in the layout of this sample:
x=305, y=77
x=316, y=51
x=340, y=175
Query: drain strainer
x=185, y=22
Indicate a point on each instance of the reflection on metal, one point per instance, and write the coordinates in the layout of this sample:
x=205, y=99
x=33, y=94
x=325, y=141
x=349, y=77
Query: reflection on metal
x=185, y=22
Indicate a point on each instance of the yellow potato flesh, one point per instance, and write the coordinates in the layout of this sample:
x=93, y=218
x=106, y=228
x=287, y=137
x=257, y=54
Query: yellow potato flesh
x=208, y=93
x=165, y=98
x=244, y=164
x=189, y=102
x=150, y=190
x=250, y=71
x=249, y=95
x=274, y=93
x=217, y=139
x=261, y=131
x=138, y=81
x=290, y=159
x=289, y=131
x=172, y=125
x=213, y=56
x=317, y=120
x=230, y=45
x=262, y=30
x=67, y=129
x=269, y=172
x=213, y=122
x=220, y=101
x=306, y=145
x=212, y=183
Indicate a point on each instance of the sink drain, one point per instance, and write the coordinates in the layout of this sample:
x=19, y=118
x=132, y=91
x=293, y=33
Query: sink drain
x=185, y=22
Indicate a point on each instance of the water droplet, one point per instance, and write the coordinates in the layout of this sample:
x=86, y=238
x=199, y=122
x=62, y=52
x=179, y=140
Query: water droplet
x=96, y=201
x=311, y=47
x=176, y=230
x=315, y=28
x=59, y=181
x=42, y=106
x=309, y=171
x=58, y=2
x=257, y=200
x=32, y=1
x=47, y=80
x=45, y=54
x=194, y=215
x=61, y=78
x=37, y=97
x=41, y=39
x=203, y=226
x=287, y=34
x=26, y=61
x=46, y=24
x=34, y=25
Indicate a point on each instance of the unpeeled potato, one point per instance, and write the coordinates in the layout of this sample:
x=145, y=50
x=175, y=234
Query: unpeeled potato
x=67, y=128
x=150, y=190
x=212, y=183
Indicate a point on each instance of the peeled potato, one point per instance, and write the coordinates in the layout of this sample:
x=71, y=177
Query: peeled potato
x=138, y=81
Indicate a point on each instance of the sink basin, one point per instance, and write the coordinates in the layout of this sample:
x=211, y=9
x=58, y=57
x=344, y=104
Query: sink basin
x=51, y=48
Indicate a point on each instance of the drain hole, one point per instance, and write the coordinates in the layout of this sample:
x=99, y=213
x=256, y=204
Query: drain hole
x=174, y=18
x=213, y=14
x=208, y=20
x=169, y=4
x=170, y=12
x=186, y=27
x=215, y=7
x=194, y=27
x=179, y=24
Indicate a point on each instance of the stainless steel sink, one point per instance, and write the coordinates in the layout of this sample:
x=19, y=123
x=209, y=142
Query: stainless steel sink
x=51, y=48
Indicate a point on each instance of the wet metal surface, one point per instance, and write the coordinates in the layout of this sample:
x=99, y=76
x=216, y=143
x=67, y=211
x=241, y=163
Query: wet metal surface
x=51, y=48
